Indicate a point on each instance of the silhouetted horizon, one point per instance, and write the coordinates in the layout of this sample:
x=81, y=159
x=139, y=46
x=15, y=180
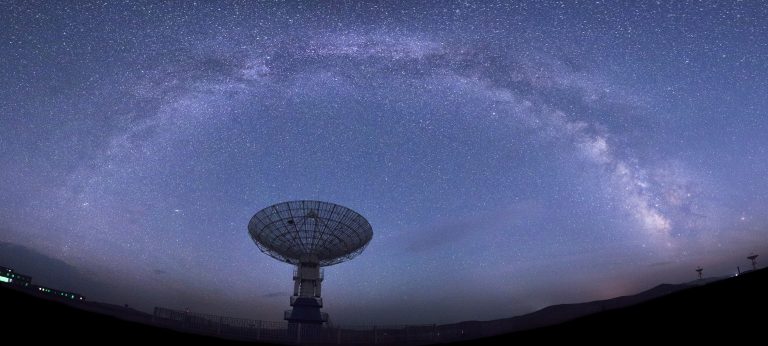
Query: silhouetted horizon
x=656, y=313
x=660, y=289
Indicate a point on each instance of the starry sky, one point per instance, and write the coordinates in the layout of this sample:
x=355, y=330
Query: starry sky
x=508, y=155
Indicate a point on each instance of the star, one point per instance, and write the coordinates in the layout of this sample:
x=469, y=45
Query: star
x=489, y=144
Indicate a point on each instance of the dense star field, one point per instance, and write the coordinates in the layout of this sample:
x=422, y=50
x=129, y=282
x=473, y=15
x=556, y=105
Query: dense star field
x=508, y=156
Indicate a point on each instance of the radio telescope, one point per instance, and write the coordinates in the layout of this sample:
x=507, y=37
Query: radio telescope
x=752, y=257
x=309, y=235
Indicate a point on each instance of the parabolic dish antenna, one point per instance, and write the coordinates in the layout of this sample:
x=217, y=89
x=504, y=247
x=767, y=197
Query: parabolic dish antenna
x=309, y=235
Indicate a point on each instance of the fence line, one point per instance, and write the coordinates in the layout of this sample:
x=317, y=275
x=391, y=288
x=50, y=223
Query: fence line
x=294, y=333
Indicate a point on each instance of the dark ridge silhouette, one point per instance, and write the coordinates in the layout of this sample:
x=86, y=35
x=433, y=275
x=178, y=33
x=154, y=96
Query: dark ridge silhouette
x=48, y=271
x=732, y=308
x=50, y=320
x=556, y=314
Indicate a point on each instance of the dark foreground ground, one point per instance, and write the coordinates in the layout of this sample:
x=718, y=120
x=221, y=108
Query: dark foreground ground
x=732, y=310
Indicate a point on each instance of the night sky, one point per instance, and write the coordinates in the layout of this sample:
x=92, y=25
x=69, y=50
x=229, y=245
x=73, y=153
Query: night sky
x=508, y=156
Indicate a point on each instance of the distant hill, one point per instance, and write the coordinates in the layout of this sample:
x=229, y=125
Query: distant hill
x=560, y=313
x=732, y=309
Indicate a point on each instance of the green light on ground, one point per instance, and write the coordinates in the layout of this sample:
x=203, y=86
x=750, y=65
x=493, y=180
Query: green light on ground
x=4, y=279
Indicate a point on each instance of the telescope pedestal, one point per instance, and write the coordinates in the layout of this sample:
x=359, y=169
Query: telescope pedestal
x=306, y=300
